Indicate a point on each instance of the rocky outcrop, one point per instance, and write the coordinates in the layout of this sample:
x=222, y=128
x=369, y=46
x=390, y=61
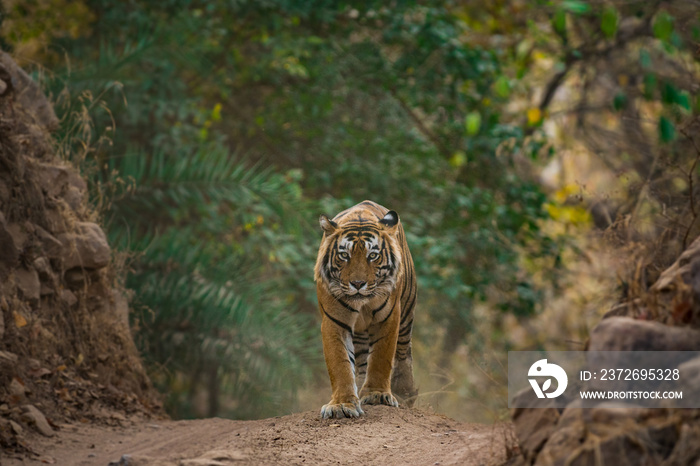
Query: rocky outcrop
x=64, y=327
x=625, y=434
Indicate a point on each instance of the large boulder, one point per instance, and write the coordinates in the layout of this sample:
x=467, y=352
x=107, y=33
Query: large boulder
x=626, y=334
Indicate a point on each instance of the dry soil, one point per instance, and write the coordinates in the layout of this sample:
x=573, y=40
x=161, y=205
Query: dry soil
x=386, y=436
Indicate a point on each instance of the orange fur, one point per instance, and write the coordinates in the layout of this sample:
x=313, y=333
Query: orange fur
x=366, y=288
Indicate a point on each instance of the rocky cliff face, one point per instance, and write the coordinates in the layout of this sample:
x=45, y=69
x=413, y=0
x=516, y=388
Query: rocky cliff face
x=65, y=347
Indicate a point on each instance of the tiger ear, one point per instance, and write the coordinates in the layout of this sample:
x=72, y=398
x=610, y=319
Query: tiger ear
x=327, y=224
x=390, y=220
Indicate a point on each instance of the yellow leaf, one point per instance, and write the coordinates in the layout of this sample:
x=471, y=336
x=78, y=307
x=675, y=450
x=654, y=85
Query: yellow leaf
x=79, y=360
x=458, y=159
x=623, y=80
x=61, y=368
x=216, y=113
x=534, y=115
x=20, y=321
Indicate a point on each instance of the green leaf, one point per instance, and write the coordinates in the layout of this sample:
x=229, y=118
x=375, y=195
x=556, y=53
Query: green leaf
x=502, y=86
x=472, y=123
x=559, y=21
x=649, y=85
x=668, y=93
x=667, y=132
x=663, y=26
x=576, y=7
x=619, y=101
x=608, y=22
x=683, y=100
x=644, y=58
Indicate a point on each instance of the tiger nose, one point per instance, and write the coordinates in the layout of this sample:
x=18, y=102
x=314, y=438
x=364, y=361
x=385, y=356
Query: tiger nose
x=357, y=284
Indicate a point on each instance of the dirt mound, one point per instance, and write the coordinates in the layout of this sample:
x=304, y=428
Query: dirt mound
x=384, y=436
x=66, y=352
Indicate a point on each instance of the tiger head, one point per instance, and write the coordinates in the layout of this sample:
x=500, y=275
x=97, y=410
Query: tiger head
x=359, y=258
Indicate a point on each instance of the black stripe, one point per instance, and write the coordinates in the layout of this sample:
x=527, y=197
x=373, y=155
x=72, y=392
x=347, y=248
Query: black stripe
x=362, y=352
x=363, y=364
x=406, y=331
x=346, y=306
x=352, y=359
x=373, y=342
x=409, y=308
x=390, y=313
x=339, y=323
x=381, y=307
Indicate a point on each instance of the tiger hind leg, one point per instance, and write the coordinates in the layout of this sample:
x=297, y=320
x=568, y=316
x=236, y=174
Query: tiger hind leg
x=402, y=383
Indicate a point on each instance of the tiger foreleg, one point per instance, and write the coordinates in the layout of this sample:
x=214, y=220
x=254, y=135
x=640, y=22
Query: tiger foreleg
x=340, y=361
x=377, y=386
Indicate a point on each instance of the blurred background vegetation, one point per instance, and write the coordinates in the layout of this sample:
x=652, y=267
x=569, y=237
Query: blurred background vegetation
x=534, y=150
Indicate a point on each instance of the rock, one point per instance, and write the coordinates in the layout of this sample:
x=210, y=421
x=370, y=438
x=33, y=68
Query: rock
x=75, y=279
x=74, y=198
x=7, y=359
x=533, y=423
x=5, y=192
x=625, y=334
x=32, y=416
x=687, y=448
x=17, y=390
x=86, y=248
x=57, y=222
x=16, y=428
x=56, y=180
x=611, y=413
x=27, y=281
x=3, y=87
x=52, y=247
x=46, y=289
x=68, y=297
x=9, y=252
x=690, y=382
x=28, y=93
x=563, y=442
x=620, y=450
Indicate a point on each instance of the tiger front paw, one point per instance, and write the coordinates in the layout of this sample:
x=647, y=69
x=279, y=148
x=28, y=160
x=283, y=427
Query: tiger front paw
x=380, y=398
x=340, y=410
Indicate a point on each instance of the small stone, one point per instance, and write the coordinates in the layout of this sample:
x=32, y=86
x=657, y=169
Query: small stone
x=17, y=389
x=3, y=87
x=36, y=418
x=53, y=248
x=86, y=248
x=7, y=358
x=68, y=297
x=27, y=281
x=16, y=428
x=9, y=253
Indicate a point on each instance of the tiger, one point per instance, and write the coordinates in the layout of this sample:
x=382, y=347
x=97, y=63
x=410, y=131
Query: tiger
x=366, y=290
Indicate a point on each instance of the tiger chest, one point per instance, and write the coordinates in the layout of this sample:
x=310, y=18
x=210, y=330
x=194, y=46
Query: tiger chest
x=375, y=312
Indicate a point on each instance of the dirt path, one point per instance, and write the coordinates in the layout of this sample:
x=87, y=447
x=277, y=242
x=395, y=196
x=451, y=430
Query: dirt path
x=386, y=436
